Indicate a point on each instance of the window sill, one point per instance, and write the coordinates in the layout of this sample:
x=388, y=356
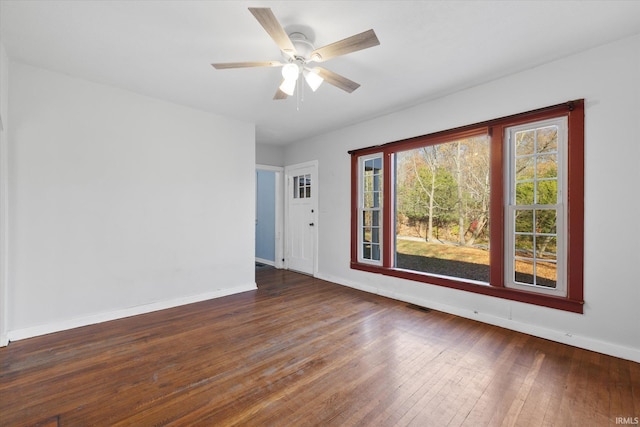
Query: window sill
x=559, y=303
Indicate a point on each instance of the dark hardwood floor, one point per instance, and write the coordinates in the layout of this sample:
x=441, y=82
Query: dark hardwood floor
x=301, y=351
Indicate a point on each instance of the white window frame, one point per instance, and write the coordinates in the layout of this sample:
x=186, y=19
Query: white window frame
x=362, y=209
x=560, y=207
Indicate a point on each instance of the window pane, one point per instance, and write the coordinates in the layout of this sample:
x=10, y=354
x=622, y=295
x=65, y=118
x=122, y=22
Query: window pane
x=547, y=166
x=525, y=143
x=525, y=168
x=375, y=252
x=524, y=245
x=307, y=184
x=377, y=164
x=523, y=272
x=524, y=221
x=367, y=220
x=524, y=193
x=368, y=182
x=368, y=199
x=366, y=250
x=547, y=139
x=295, y=187
x=375, y=235
x=547, y=192
x=546, y=274
x=546, y=248
x=546, y=221
x=375, y=218
x=442, y=209
x=366, y=234
x=371, y=199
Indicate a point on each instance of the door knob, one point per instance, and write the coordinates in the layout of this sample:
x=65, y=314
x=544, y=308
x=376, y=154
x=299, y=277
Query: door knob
x=311, y=224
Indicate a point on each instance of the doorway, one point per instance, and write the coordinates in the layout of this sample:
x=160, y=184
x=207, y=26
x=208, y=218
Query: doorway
x=269, y=219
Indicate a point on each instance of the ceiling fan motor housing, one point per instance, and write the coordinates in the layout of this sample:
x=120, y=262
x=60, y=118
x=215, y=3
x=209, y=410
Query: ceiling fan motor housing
x=303, y=47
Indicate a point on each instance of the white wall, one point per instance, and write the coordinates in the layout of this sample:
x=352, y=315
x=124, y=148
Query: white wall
x=267, y=154
x=607, y=77
x=121, y=204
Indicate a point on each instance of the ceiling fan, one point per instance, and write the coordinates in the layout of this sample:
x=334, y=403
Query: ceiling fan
x=299, y=52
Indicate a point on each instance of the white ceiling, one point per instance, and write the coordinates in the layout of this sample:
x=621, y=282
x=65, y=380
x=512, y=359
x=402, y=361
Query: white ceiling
x=427, y=49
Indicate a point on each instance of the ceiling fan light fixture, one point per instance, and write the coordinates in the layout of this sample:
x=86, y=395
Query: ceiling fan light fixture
x=290, y=71
x=288, y=86
x=313, y=79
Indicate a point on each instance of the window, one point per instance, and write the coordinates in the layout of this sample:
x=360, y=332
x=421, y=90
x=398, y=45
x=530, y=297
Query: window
x=493, y=208
x=442, y=208
x=370, y=209
x=535, y=214
x=302, y=187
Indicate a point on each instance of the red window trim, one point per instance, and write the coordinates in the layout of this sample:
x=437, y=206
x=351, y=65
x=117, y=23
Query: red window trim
x=573, y=302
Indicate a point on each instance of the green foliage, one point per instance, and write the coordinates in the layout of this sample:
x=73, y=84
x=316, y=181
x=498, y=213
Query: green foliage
x=413, y=200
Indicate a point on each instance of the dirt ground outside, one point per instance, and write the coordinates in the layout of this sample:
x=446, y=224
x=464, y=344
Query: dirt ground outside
x=460, y=261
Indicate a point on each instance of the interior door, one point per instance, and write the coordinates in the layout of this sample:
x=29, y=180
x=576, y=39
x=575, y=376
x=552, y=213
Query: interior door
x=301, y=229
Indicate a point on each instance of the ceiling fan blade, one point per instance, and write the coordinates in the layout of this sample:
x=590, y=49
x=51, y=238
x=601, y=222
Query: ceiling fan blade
x=337, y=80
x=268, y=20
x=226, y=65
x=279, y=95
x=350, y=44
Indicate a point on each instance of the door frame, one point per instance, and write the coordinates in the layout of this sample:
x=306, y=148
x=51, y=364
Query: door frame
x=288, y=175
x=279, y=239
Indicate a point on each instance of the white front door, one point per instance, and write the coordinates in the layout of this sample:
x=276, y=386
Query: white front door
x=302, y=214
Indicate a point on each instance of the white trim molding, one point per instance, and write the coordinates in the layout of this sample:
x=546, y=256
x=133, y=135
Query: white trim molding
x=64, y=325
x=574, y=340
x=265, y=261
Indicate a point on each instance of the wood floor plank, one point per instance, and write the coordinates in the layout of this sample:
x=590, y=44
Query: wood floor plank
x=301, y=351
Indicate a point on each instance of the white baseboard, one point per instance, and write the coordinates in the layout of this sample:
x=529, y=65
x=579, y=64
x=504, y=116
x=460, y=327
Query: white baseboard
x=587, y=343
x=265, y=261
x=64, y=325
